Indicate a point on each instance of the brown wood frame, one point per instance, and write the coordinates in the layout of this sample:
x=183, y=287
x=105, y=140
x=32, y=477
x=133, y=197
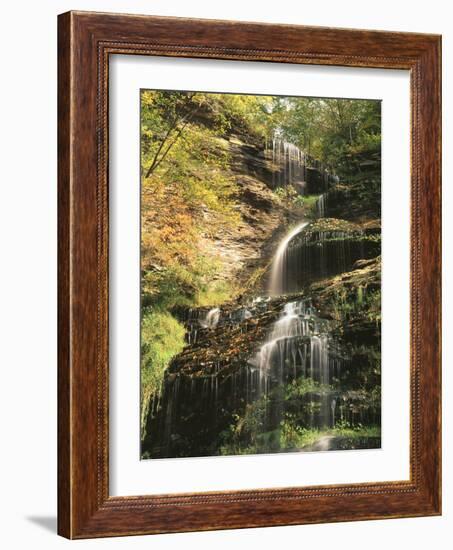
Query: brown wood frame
x=85, y=41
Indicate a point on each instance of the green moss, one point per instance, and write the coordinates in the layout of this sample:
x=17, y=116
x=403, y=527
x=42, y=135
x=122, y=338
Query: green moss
x=162, y=339
x=309, y=201
x=179, y=285
x=289, y=195
x=352, y=295
x=214, y=294
x=291, y=437
x=332, y=224
x=302, y=386
x=300, y=438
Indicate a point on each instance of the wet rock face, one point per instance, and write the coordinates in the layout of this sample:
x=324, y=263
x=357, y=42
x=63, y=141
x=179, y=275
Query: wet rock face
x=325, y=248
x=356, y=201
x=317, y=181
x=237, y=335
x=349, y=287
x=352, y=299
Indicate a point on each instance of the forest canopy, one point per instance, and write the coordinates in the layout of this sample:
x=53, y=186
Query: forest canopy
x=331, y=130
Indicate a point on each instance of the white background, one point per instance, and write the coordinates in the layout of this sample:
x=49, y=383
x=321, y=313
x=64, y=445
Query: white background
x=28, y=276
x=129, y=475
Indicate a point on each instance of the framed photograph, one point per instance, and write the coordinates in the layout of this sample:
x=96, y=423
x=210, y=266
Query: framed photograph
x=249, y=275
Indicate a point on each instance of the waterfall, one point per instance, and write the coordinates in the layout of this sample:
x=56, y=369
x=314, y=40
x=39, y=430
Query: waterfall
x=297, y=334
x=197, y=321
x=286, y=329
x=212, y=318
x=292, y=166
x=280, y=342
x=321, y=205
x=289, y=164
x=276, y=282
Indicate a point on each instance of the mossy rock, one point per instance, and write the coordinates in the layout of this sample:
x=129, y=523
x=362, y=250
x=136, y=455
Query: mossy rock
x=332, y=224
x=226, y=347
x=354, y=300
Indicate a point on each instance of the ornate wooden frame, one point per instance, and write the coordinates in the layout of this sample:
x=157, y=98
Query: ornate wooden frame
x=85, y=41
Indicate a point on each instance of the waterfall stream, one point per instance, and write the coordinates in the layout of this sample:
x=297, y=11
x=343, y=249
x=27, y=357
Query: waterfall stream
x=321, y=205
x=276, y=283
x=298, y=346
x=290, y=162
x=292, y=166
x=212, y=318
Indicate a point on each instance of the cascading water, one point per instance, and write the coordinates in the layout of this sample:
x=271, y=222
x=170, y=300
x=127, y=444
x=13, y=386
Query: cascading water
x=276, y=281
x=320, y=252
x=290, y=163
x=292, y=166
x=212, y=318
x=198, y=320
x=321, y=205
x=297, y=347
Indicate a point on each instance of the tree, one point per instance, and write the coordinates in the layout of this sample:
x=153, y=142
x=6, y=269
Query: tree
x=164, y=118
